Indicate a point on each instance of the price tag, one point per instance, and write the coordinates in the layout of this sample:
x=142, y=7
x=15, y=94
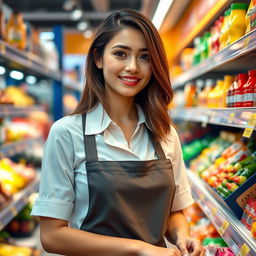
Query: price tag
x=224, y=227
x=214, y=211
x=244, y=251
x=231, y=117
x=251, y=123
x=14, y=211
x=252, y=120
x=247, y=41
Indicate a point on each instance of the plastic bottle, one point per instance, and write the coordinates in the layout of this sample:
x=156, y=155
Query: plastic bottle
x=199, y=89
x=209, y=84
x=248, y=89
x=204, y=46
x=228, y=80
x=224, y=28
x=230, y=99
x=16, y=31
x=247, y=18
x=242, y=79
x=215, y=43
x=237, y=24
x=189, y=94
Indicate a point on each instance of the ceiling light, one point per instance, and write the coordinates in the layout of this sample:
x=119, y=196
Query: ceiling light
x=2, y=70
x=83, y=25
x=161, y=11
x=87, y=34
x=30, y=79
x=16, y=75
x=76, y=14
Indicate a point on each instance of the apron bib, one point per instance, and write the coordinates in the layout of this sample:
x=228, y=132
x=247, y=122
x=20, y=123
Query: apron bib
x=128, y=199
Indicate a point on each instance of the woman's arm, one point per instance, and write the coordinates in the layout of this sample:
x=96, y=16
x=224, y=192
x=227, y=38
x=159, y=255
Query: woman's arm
x=58, y=237
x=178, y=234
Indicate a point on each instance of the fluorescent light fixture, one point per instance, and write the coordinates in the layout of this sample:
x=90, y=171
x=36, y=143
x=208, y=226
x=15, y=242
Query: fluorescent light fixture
x=83, y=25
x=16, y=75
x=76, y=14
x=2, y=70
x=30, y=80
x=161, y=11
x=87, y=34
x=46, y=36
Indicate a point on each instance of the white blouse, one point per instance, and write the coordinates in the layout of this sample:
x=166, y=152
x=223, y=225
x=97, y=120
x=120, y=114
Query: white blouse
x=63, y=192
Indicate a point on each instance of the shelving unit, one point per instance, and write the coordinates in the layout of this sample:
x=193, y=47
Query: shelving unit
x=17, y=59
x=239, y=55
x=235, y=58
x=235, y=117
x=17, y=203
x=13, y=148
x=10, y=110
x=229, y=227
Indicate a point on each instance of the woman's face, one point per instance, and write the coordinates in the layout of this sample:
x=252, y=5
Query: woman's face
x=125, y=63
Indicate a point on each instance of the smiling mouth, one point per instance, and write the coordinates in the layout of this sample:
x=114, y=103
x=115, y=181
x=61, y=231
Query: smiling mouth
x=129, y=81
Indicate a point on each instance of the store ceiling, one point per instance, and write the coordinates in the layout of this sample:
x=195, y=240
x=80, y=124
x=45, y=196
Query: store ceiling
x=47, y=13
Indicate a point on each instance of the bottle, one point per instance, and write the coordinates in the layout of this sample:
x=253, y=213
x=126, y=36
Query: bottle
x=231, y=94
x=247, y=18
x=189, y=94
x=242, y=79
x=199, y=88
x=204, y=46
x=224, y=28
x=248, y=89
x=237, y=24
x=209, y=84
x=228, y=80
x=16, y=30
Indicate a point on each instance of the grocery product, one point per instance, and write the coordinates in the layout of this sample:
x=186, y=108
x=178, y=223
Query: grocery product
x=237, y=25
x=238, y=94
x=223, y=94
x=248, y=89
x=16, y=31
x=224, y=30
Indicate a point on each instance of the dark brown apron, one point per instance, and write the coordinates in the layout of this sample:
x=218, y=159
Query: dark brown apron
x=129, y=199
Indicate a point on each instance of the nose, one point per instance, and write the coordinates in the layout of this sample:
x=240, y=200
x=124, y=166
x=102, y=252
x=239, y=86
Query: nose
x=132, y=65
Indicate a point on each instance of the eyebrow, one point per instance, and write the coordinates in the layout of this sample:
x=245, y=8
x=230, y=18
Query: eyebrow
x=128, y=48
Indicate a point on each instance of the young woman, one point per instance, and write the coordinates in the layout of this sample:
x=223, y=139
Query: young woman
x=113, y=180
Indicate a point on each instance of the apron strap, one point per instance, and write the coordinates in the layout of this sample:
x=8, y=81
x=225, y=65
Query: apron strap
x=91, y=150
x=89, y=144
x=156, y=144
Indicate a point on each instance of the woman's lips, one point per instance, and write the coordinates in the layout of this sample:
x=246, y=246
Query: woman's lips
x=129, y=80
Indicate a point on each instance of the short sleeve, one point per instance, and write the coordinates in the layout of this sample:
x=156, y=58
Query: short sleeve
x=56, y=192
x=183, y=197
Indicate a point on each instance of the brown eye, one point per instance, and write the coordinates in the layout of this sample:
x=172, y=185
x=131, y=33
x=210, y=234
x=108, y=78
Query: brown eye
x=120, y=54
x=144, y=57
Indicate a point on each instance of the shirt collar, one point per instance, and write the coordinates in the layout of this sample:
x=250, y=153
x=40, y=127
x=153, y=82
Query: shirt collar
x=97, y=119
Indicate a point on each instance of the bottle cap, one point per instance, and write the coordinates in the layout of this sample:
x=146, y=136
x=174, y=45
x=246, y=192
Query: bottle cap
x=239, y=6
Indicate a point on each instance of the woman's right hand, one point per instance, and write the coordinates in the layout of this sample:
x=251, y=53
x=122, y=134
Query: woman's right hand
x=151, y=250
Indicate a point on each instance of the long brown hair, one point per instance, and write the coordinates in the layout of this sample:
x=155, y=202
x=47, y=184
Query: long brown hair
x=156, y=96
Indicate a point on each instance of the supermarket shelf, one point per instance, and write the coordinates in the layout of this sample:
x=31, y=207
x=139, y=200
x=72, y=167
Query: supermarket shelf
x=235, y=117
x=234, y=57
x=10, y=110
x=229, y=227
x=17, y=203
x=17, y=59
x=13, y=148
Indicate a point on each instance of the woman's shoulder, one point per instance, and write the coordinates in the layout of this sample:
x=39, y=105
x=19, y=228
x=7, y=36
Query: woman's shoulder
x=70, y=123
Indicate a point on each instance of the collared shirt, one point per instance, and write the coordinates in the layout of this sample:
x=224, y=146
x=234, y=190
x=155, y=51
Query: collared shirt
x=63, y=192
